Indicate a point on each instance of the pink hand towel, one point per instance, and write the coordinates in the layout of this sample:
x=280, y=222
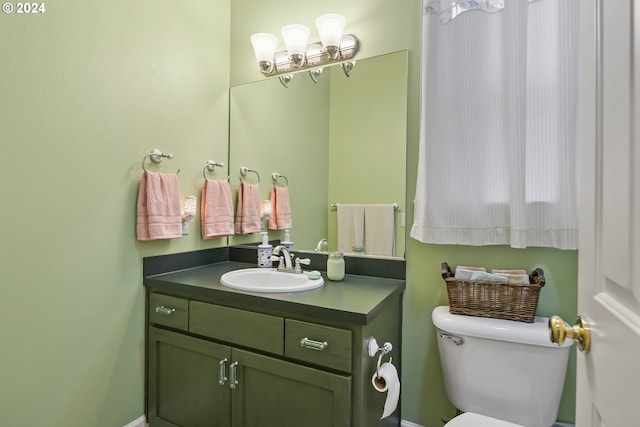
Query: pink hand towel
x=248, y=210
x=280, y=217
x=216, y=209
x=158, y=208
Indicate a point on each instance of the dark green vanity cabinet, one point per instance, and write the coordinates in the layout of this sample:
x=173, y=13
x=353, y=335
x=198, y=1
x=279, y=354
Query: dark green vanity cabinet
x=218, y=357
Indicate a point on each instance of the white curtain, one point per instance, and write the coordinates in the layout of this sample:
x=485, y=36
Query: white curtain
x=498, y=161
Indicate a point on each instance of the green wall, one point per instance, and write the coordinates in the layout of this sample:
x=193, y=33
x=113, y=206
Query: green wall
x=86, y=92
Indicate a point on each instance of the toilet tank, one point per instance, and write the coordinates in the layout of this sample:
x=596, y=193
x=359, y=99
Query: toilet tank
x=501, y=368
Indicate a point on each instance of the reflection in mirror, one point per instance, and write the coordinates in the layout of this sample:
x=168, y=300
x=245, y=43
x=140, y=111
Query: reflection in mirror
x=340, y=140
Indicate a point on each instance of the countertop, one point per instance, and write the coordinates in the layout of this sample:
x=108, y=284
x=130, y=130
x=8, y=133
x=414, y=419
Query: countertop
x=356, y=299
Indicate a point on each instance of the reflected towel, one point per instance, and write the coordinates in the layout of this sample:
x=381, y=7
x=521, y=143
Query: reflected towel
x=350, y=227
x=248, y=210
x=216, y=209
x=280, y=216
x=379, y=229
x=158, y=214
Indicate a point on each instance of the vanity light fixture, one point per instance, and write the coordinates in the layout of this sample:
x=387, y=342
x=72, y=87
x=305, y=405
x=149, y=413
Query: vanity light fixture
x=295, y=38
x=334, y=47
x=264, y=46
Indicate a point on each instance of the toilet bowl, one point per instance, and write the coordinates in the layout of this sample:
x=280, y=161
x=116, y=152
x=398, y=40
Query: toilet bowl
x=469, y=419
x=500, y=373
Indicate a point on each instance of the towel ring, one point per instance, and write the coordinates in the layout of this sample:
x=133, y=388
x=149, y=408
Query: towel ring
x=244, y=170
x=210, y=166
x=276, y=175
x=156, y=156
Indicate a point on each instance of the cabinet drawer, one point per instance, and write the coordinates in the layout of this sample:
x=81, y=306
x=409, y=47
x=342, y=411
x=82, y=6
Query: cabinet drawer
x=246, y=328
x=169, y=311
x=317, y=344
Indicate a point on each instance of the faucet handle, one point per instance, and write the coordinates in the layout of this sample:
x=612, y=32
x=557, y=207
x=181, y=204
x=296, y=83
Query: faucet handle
x=305, y=261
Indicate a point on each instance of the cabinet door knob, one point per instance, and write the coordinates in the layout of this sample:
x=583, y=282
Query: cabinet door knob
x=165, y=310
x=222, y=373
x=233, y=376
x=313, y=345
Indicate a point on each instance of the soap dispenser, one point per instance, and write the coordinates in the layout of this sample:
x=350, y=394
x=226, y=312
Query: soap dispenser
x=264, y=251
x=287, y=243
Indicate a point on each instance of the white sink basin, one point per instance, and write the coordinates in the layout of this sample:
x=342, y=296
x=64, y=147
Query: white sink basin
x=269, y=280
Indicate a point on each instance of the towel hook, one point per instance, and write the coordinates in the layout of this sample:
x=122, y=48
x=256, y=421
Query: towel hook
x=244, y=170
x=210, y=166
x=275, y=176
x=156, y=156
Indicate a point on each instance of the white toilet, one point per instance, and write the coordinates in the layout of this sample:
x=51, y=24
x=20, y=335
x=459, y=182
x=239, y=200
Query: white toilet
x=501, y=373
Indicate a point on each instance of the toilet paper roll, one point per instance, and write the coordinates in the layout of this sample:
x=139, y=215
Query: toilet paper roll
x=386, y=380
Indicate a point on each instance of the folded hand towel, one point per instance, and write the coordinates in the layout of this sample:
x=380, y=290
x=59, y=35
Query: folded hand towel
x=350, y=227
x=521, y=279
x=216, y=209
x=280, y=216
x=248, y=210
x=494, y=271
x=465, y=272
x=158, y=207
x=481, y=276
x=379, y=229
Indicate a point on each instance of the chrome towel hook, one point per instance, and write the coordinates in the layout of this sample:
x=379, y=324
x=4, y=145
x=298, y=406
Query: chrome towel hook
x=156, y=156
x=275, y=176
x=210, y=166
x=244, y=170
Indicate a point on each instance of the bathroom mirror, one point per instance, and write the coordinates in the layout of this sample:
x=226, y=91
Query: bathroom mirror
x=340, y=140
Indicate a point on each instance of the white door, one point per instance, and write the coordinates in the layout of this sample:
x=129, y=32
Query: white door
x=609, y=256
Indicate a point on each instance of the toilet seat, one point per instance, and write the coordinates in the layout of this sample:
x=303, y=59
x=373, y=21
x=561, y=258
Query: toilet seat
x=469, y=419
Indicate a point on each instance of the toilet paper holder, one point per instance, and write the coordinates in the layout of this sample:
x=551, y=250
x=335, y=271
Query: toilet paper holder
x=373, y=349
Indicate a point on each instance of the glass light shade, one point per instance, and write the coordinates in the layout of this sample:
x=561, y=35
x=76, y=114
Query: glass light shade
x=264, y=46
x=265, y=208
x=295, y=38
x=330, y=27
x=190, y=205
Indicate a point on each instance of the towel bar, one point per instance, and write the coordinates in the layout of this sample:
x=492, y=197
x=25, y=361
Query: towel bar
x=334, y=206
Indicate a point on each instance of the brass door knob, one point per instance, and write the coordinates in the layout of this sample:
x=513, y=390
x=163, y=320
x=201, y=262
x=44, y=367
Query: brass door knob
x=580, y=332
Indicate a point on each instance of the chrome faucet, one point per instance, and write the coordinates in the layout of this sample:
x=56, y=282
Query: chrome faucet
x=321, y=244
x=285, y=258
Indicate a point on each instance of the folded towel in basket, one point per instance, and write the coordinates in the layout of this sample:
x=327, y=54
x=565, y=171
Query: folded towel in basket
x=521, y=279
x=482, y=276
x=464, y=272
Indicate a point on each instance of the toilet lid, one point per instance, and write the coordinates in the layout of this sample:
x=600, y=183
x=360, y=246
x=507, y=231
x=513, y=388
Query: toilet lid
x=469, y=419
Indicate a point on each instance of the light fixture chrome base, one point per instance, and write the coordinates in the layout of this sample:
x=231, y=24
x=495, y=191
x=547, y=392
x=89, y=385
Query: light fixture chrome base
x=266, y=67
x=316, y=57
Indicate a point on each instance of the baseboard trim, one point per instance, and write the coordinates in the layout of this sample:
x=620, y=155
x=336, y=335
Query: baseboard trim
x=138, y=422
x=405, y=423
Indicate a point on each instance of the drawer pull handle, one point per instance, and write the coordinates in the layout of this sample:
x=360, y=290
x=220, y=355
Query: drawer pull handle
x=165, y=310
x=313, y=345
x=233, y=376
x=222, y=377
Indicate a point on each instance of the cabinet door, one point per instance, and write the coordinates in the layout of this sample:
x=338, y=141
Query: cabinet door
x=184, y=381
x=272, y=392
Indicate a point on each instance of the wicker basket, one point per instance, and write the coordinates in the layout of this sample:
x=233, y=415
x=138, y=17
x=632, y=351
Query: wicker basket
x=499, y=300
